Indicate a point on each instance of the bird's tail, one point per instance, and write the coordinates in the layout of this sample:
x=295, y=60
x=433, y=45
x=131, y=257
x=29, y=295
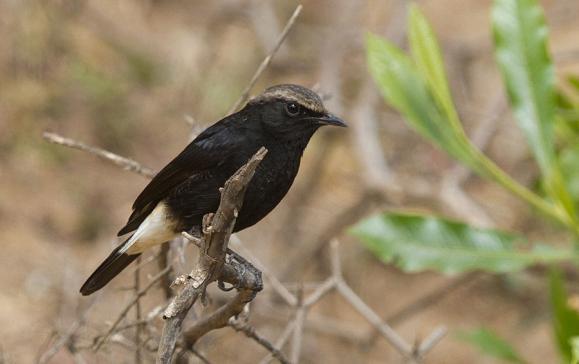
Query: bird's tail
x=113, y=265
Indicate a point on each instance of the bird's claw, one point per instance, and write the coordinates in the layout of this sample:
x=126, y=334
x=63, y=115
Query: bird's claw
x=222, y=287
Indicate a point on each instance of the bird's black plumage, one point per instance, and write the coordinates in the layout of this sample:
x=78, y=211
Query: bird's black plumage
x=282, y=119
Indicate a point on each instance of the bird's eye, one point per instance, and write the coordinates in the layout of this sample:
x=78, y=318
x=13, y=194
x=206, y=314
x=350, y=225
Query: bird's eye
x=292, y=109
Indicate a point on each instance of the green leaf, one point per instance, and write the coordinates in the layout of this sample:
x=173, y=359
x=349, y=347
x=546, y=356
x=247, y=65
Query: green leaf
x=520, y=35
x=570, y=165
x=428, y=58
x=574, y=342
x=491, y=344
x=574, y=82
x=416, y=242
x=567, y=103
x=403, y=87
x=565, y=319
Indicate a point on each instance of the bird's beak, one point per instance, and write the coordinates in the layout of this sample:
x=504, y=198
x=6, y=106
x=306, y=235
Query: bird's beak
x=330, y=119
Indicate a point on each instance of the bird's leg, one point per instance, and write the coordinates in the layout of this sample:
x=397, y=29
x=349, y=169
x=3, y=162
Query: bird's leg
x=240, y=270
x=220, y=282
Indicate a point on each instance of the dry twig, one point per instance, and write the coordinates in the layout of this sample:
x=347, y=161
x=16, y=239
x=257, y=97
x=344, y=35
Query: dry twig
x=306, y=251
x=125, y=163
x=212, y=265
x=244, y=327
x=66, y=338
x=267, y=60
x=124, y=312
x=336, y=282
x=139, y=326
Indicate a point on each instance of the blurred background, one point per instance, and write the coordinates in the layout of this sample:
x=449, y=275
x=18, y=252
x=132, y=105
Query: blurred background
x=130, y=76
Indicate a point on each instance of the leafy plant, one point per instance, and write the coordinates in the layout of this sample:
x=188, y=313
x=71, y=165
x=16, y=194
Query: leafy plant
x=491, y=344
x=416, y=85
x=418, y=242
x=565, y=318
x=574, y=342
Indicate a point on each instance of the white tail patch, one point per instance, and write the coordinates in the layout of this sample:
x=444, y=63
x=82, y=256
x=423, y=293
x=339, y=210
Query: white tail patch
x=156, y=229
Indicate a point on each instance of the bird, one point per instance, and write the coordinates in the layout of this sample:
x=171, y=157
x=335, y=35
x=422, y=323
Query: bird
x=282, y=119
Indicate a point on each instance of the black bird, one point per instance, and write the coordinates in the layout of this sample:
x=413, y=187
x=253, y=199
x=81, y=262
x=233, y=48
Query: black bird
x=282, y=119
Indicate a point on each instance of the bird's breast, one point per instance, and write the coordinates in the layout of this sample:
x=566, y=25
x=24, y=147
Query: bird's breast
x=271, y=182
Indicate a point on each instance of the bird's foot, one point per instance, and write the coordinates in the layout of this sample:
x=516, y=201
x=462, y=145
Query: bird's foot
x=222, y=287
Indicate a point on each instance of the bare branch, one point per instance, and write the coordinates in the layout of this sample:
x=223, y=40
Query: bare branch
x=139, y=327
x=325, y=288
x=391, y=336
x=301, y=312
x=267, y=60
x=66, y=338
x=308, y=250
x=125, y=163
x=250, y=332
x=277, y=286
x=422, y=303
x=283, y=338
x=124, y=312
x=430, y=342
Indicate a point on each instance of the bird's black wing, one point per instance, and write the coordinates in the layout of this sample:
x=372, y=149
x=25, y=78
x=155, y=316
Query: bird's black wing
x=208, y=150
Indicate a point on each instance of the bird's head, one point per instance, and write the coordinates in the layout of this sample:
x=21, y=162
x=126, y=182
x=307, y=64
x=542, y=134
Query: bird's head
x=292, y=110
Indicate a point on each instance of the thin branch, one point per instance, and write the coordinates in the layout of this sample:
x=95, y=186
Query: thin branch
x=250, y=332
x=145, y=261
x=154, y=313
x=391, y=336
x=125, y=163
x=267, y=60
x=321, y=324
x=277, y=286
x=325, y=288
x=124, y=312
x=66, y=338
x=421, y=304
x=431, y=341
x=300, y=318
x=139, y=327
x=308, y=250
x=163, y=262
x=280, y=342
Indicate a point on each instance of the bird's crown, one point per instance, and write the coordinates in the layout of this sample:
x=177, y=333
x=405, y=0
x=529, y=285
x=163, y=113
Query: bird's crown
x=292, y=93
